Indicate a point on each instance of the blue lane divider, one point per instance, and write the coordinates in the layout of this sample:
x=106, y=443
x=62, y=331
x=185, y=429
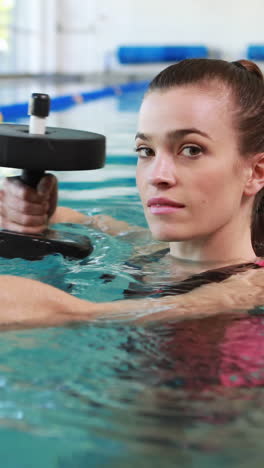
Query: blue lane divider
x=12, y=112
x=124, y=182
x=154, y=54
x=255, y=52
x=124, y=159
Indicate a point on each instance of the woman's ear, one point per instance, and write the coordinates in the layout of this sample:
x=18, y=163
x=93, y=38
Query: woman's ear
x=255, y=178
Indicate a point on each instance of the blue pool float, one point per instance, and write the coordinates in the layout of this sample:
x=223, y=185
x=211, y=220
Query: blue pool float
x=255, y=52
x=156, y=54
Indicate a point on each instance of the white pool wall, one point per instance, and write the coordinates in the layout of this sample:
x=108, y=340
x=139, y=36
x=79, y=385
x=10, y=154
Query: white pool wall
x=81, y=36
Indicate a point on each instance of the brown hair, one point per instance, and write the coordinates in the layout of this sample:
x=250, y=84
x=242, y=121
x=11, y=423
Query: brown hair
x=245, y=80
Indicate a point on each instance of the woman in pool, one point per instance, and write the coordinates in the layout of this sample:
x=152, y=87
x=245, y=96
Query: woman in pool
x=200, y=175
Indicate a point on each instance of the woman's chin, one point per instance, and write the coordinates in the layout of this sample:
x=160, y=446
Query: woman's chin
x=166, y=236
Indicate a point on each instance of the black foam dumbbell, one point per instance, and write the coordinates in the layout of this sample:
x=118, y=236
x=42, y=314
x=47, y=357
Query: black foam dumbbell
x=35, y=149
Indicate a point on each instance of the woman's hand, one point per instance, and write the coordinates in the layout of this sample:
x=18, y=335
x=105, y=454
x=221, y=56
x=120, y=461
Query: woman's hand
x=25, y=209
x=28, y=210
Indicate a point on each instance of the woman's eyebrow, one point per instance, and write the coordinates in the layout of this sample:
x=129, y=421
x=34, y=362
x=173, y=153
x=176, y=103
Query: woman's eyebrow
x=142, y=136
x=174, y=134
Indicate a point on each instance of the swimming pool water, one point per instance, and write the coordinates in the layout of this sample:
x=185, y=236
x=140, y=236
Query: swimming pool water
x=186, y=395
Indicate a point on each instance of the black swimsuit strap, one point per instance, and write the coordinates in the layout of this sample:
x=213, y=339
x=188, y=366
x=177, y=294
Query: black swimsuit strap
x=138, y=290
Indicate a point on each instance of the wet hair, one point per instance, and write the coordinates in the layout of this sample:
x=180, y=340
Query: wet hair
x=245, y=81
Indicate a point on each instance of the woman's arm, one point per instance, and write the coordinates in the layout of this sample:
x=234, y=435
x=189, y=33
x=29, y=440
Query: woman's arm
x=239, y=293
x=101, y=222
x=26, y=303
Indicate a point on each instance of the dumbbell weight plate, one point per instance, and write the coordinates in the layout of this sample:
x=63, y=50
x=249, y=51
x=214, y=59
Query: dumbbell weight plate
x=60, y=149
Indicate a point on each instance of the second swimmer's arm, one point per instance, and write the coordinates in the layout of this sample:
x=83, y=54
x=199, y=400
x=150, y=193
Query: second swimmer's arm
x=239, y=293
x=26, y=303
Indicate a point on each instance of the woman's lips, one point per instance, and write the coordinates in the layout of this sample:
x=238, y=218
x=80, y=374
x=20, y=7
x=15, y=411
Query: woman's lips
x=164, y=206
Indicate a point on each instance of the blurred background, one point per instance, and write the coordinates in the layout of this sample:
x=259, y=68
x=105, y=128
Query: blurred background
x=82, y=51
x=77, y=37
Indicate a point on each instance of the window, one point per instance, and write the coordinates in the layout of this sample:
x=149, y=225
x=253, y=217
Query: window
x=6, y=20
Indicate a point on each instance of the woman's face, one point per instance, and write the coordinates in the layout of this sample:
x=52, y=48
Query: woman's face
x=190, y=175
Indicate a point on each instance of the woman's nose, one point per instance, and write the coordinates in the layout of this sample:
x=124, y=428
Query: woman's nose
x=162, y=171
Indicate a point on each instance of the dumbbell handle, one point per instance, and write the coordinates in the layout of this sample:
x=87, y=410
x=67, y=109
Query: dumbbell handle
x=31, y=178
x=39, y=106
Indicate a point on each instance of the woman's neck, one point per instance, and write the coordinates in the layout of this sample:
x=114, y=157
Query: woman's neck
x=220, y=249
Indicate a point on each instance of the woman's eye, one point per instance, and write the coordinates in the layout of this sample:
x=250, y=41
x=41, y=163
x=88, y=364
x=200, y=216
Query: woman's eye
x=144, y=151
x=191, y=151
